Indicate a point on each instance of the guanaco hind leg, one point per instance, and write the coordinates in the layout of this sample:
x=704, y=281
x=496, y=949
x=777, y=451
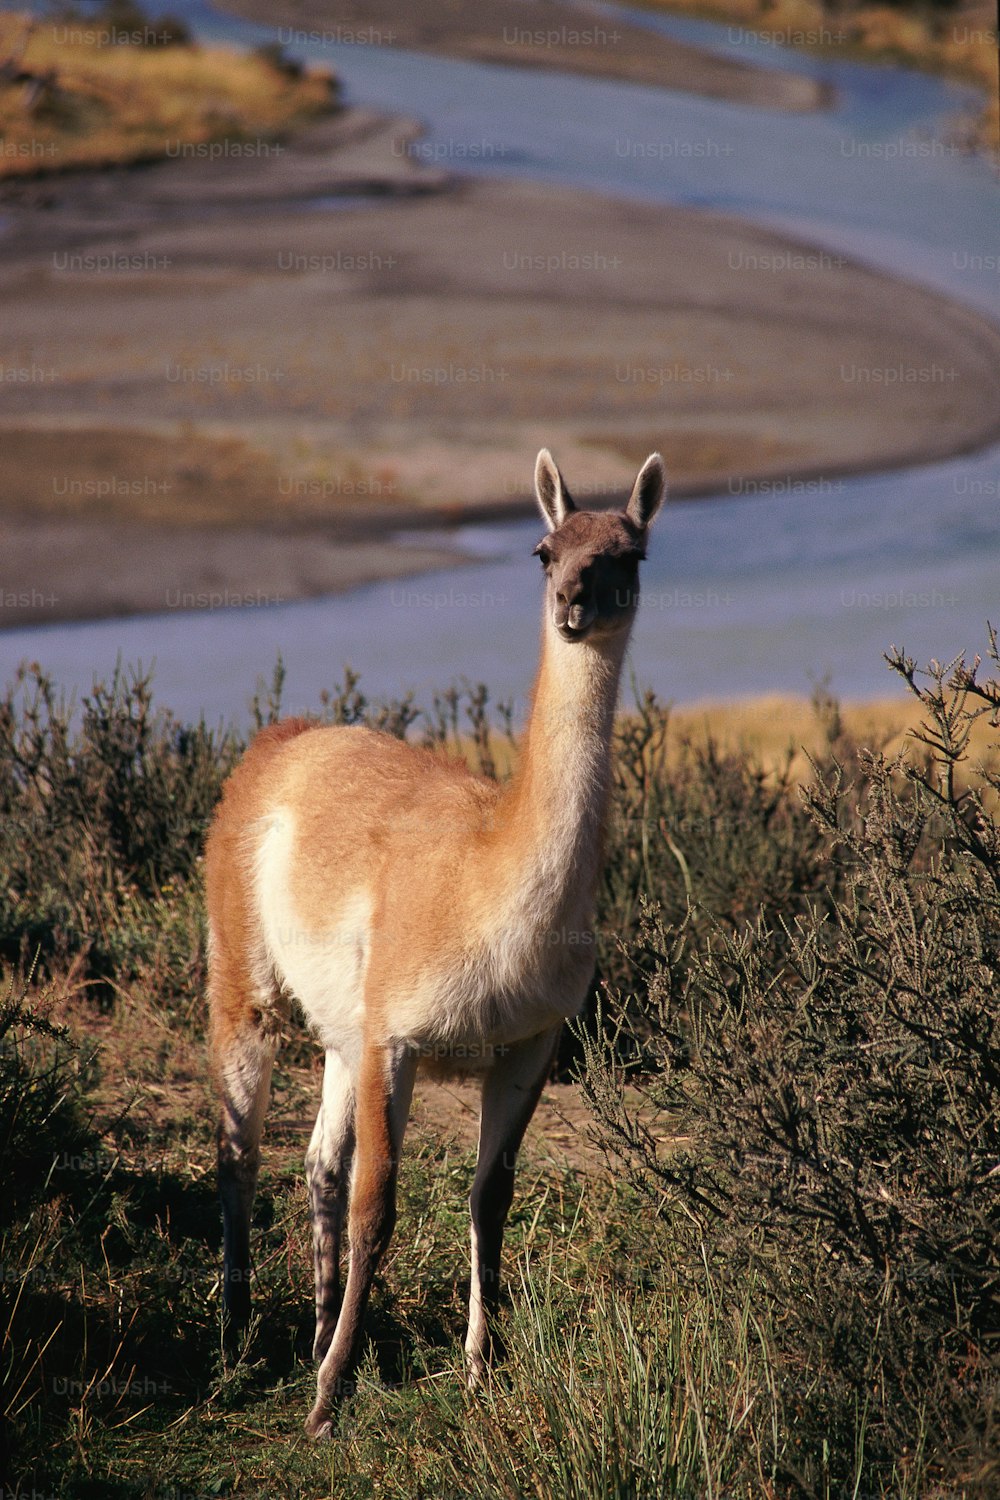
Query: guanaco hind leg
x=510, y=1093
x=244, y=1043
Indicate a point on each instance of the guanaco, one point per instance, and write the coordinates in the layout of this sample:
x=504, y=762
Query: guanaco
x=422, y=916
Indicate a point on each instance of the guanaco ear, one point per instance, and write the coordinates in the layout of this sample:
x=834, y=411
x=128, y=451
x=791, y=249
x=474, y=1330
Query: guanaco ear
x=649, y=491
x=554, y=499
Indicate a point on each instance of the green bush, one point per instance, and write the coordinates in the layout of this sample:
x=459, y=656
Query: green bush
x=99, y=810
x=709, y=835
x=636, y=1394
x=44, y=1122
x=830, y=1078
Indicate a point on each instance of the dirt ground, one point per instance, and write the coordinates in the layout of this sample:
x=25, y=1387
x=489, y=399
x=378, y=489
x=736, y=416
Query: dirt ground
x=156, y=1074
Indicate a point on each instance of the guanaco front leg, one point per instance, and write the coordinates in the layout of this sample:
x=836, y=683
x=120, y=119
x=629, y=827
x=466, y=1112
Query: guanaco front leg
x=328, y=1170
x=511, y=1091
x=384, y=1089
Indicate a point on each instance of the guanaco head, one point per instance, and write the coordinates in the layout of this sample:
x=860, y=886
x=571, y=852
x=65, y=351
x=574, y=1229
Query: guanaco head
x=591, y=557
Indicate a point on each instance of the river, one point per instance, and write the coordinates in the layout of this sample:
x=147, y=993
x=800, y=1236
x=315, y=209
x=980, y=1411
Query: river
x=745, y=593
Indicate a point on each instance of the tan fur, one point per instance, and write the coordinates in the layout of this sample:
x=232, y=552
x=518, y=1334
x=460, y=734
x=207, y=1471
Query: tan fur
x=232, y=921
x=421, y=916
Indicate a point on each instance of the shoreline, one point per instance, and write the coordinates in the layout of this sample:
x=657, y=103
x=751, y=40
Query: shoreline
x=297, y=559
x=562, y=38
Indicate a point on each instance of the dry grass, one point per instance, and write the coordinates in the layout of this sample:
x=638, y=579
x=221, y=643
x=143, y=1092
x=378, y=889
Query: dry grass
x=117, y=104
x=777, y=731
x=773, y=728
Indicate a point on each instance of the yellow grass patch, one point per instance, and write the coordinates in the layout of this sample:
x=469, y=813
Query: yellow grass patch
x=90, y=105
x=779, y=732
x=772, y=728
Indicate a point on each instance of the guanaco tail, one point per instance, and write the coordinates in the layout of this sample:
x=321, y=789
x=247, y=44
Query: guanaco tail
x=423, y=917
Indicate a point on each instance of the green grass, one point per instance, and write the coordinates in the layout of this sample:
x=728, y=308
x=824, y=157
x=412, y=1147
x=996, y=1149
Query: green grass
x=614, y=1383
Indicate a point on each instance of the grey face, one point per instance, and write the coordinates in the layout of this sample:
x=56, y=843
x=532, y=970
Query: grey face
x=591, y=558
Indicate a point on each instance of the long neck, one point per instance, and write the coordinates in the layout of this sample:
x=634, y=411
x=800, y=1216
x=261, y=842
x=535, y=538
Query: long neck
x=558, y=799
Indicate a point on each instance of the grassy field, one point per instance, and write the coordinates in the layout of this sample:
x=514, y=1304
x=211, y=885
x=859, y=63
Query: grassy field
x=118, y=88
x=760, y=1261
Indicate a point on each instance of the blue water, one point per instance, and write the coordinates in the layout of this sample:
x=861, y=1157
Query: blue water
x=741, y=595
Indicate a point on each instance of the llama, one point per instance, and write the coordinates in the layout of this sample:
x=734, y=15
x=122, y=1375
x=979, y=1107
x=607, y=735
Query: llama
x=422, y=916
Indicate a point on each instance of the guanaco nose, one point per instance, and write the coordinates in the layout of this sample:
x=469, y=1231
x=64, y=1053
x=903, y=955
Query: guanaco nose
x=572, y=595
x=573, y=606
